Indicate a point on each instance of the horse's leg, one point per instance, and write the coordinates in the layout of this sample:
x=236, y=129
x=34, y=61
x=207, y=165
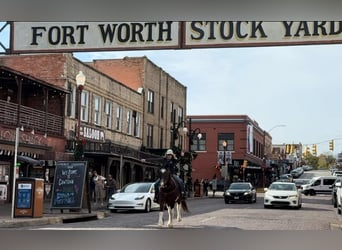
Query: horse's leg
x=179, y=215
x=161, y=219
x=170, y=212
x=161, y=214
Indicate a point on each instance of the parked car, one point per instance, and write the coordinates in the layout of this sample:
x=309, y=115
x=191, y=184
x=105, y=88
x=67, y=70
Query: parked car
x=319, y=184
x=297, y=172
x=337, y=172
x=300, y=182
x=134, y=196
x=282, y=194
x=286, y=177
x=307, y=168
x=334, y=191
x=240, y=191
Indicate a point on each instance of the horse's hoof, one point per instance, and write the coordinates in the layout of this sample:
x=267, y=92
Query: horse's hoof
x=170, y=226
x=179, y=220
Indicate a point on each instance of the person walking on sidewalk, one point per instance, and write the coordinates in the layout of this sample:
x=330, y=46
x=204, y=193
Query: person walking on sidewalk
x=99, y=186
x=214, y=184
x=110, y=186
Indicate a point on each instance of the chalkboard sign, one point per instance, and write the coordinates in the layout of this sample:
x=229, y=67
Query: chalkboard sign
x=69, y=184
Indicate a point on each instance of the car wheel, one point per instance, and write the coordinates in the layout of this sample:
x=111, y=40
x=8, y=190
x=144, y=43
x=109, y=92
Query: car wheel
x=148, y=206
x=334, y=202
x=113, y=210
x=338, y=210
x=226, y=201
x=312, y=192
x=255, y=199
x=267, y=206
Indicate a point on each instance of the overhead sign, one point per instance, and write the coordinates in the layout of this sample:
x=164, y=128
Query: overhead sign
x=28, y=37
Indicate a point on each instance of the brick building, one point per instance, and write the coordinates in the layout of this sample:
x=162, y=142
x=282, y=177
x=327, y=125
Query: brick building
x=117, y=120
x=245, y=141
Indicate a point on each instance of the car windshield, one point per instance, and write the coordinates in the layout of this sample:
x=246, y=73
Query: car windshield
x=283, y=186
x=239, y=186
x=136, y=188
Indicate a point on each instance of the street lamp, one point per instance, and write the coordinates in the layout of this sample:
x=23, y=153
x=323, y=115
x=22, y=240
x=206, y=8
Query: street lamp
x=80, y=81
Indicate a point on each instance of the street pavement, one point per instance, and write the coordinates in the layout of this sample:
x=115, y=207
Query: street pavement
x=56, y=216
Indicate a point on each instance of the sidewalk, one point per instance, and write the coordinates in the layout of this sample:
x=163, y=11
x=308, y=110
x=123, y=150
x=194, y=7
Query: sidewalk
x=54, y=216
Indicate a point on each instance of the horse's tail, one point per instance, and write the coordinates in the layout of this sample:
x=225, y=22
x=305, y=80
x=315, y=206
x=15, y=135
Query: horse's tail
x=184, y=206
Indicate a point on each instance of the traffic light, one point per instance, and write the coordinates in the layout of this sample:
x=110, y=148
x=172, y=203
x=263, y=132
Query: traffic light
x=307, y=151
x=314, y=149
x=331, y=145
x=287, y=148
x=292, y=149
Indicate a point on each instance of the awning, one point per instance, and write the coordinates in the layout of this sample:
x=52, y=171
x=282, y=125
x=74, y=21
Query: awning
x=29, y=160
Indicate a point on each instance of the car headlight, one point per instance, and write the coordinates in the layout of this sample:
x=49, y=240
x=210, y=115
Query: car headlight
x=247, y=193
x=139, y=197
x=227, y=193
x=293, y=196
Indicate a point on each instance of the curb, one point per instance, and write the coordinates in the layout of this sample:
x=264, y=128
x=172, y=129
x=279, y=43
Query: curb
x=25, y=222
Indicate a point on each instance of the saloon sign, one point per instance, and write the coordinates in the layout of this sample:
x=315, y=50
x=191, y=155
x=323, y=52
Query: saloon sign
x=28, y=37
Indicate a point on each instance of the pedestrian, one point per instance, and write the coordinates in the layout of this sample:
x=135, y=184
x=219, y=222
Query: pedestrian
x=205, y=187
x=214, y=184
x=110, y=186
x=92, y=187
x=99, y=186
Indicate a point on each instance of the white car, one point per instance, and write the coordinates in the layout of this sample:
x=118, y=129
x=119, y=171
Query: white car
x=134, y=196
x=338, y=186
x=282, y=194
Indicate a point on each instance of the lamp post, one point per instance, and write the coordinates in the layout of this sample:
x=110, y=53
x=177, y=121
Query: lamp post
x=80, y=81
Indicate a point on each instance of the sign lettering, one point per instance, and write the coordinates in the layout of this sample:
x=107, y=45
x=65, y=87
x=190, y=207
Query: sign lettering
x=29, y=37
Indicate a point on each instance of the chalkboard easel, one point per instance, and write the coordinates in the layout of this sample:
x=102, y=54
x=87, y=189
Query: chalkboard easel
x=70, y=186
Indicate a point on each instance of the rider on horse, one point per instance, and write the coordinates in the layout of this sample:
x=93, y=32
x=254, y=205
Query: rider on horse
x=169, y=162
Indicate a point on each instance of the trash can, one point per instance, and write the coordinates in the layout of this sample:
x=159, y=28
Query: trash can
x=29, y=197
x=198, y=190
x=3, y=193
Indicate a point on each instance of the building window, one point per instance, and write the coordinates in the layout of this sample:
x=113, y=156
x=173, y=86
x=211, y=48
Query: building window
x=229, y=138
x=136, y=123
x=150, y=101
x=118, y=118
x=72, y=101
x=180, y=115
x=84, y=106
x=149, y=136
x=199, y=144
x=108, y=112
x=97, y=110
x=161, y=138
x=128, y=122
x=162, y=107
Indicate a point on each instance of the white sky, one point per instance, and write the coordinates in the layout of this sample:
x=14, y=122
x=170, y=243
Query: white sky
x=296, y=86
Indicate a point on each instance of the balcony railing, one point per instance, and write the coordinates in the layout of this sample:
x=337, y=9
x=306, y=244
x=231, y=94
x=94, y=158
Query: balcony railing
x=110, y=148
x=30, y=119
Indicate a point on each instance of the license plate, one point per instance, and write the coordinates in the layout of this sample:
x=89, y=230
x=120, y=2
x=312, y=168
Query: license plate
x=236, y=197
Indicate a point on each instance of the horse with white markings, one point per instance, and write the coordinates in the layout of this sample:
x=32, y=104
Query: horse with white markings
x=170, y=195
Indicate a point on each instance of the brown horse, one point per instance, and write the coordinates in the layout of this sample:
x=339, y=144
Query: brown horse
x=169, y=196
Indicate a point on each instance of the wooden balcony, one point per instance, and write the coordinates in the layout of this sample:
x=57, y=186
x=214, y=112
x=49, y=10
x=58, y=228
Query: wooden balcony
x=30, y=119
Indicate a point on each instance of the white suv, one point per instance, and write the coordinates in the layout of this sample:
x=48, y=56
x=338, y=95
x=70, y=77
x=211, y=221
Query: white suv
x=338, y=186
